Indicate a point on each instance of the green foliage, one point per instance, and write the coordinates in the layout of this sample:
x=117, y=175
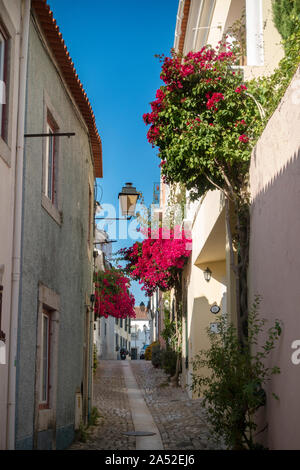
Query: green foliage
x=270, y=90
x=233, y=390
x=156, y=355
x=238, y=33
x=169, y=331
x=201, y=144
x=94, y=417
x=148, y=352
x=95, y=359
x=81, y=434
x=285, y=13
x=171, y=334
x=168, y=361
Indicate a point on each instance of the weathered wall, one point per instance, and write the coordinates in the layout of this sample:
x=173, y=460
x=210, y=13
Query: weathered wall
x=274, y=259
x=201, y=295
x=54, y=254
x=105, y=338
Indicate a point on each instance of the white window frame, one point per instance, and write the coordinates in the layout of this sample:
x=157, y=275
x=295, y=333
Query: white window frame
x=45, y=368
x=45, y=411
x=3, y=43
x=49, y=180
x=51, y=201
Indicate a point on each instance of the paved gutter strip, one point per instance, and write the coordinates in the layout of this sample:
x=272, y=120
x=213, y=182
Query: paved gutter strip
x=141, y=416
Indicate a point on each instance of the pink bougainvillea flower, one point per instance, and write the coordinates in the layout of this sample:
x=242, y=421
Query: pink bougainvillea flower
x=155, y=262
x=213, y=99
x=239, y=89
x=112, y=296
x=243, y=138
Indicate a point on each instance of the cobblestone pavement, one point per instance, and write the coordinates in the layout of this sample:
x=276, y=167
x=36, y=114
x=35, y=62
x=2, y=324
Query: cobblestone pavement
x=110, y=397
x=180, y=420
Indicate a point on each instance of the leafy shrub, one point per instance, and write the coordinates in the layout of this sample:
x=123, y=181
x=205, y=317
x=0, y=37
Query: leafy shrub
x=284, y=14
x=168, y=361
x=233, y=391
x=148, y=352
x=94, y=416
x=156, y=355
x=95, y=359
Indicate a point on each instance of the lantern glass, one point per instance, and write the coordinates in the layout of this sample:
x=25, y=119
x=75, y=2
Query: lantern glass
x=128, y=198
x=207, y=274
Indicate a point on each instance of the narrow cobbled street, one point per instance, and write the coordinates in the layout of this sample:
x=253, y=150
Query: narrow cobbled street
x=179, y=421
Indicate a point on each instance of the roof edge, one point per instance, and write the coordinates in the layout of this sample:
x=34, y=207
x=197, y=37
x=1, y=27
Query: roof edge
x=68, y=71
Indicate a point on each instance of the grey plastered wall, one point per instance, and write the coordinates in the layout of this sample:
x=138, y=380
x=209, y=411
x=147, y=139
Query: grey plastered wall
x=53, y=254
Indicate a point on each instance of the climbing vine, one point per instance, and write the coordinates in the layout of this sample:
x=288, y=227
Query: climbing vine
x=112, y=296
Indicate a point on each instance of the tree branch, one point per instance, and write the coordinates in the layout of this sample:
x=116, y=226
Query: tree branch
x=226, y=180
x=229, y=234
x=218, y=187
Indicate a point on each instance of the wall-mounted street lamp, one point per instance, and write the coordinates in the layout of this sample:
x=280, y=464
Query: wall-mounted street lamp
x=142, y=306
x=207, y=274
x=128, y=198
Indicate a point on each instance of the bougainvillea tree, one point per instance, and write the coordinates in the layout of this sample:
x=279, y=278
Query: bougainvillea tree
x=205, y=121
x=112, y=296
x=157, y=261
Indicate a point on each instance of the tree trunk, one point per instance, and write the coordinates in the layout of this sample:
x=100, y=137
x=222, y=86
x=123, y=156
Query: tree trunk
x=178, y=314
x=241, y=239
x=243, y=230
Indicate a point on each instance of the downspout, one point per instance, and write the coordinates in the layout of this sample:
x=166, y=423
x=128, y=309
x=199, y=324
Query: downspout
x=254, y=29
x=16, y=261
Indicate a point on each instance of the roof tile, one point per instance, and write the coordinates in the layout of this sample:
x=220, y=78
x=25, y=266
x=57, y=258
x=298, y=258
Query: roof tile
x=62, y=56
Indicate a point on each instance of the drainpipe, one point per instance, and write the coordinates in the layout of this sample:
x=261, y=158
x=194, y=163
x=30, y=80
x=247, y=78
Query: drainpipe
x=16, y=261
x=254, y=29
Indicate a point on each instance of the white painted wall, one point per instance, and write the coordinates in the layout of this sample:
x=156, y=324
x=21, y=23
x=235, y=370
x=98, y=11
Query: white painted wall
x=10, y=11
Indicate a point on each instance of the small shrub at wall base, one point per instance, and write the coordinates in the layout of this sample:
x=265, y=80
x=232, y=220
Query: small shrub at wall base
x=95, y=359
x=148, y=352
x=168, y=361
x=94, y=416
x=156, y=355
x=233, y=390
x=81, y=434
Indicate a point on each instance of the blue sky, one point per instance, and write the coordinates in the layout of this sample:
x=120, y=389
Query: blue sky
x=113, y=44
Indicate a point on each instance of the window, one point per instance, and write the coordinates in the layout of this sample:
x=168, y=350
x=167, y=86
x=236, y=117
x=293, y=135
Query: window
x=121, y=322
x=49, y=179
x=46, y=366
x=105, y=329
x=45, y=359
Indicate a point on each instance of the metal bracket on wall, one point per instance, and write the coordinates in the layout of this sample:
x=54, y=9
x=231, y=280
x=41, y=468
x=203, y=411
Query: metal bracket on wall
x=54, y=134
